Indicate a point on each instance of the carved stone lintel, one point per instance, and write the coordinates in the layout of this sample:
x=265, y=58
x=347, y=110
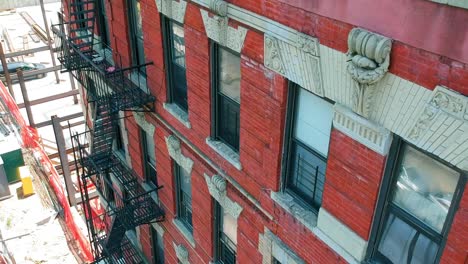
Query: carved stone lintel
x=219, y=7
x=217, y=188
x=172, y=9
x=442, y=100
x=175, y=151
x=298, y=61
x=181, y=253
x=368, y=60
x=217, y=29
x=272, y=55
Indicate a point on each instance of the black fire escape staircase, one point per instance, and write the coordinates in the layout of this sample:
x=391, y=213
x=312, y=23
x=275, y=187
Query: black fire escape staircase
x=110, y=88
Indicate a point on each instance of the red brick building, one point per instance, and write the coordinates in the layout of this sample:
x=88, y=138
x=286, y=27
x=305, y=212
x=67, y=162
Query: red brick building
x=280, y=131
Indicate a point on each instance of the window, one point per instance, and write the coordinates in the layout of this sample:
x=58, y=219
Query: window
x=226, y=76
x=136, y=34
x=275, y=261
x=102, y=23
x=119, y=142
x=149, y=157
x=158, y=246
x=417, y=204
x=225, y=236
x=184, y=197
x=307, y=138
x=174, y=48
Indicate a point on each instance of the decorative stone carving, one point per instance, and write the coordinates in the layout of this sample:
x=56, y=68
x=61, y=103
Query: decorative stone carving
x=217, y=188
x=173, y=147
x=217, y=29
x=368, y=61
x=173, y=9
x=298, y=60
x=367, y=133
x=181, y=253
x=442, y=100
x=219, y=7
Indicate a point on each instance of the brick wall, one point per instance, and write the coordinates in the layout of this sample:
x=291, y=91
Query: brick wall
x=353, y=177
x=354, y=172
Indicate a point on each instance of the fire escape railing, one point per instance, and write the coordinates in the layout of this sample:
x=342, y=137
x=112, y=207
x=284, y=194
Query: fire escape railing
x=110, y=87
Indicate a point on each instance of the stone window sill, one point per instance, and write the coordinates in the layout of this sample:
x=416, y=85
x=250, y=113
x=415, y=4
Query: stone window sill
x=139, y=80
x=226, y=152
x=184, y=231
x=305, y=216
x=178, y=113
x=148, y=187
x=310, y=219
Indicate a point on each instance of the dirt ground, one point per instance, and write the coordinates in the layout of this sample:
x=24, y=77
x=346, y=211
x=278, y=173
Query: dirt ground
x=32, y=228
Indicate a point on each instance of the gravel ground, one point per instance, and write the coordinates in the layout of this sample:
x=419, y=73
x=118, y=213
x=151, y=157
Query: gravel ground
x=32, y=230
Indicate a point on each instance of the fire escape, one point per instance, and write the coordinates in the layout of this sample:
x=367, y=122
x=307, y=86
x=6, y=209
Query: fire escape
x=110, y=87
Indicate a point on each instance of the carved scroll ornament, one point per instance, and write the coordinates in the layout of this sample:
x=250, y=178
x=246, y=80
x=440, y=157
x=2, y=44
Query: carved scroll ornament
x=368, y=60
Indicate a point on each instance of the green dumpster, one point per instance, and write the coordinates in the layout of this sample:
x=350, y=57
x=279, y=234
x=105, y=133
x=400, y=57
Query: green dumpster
x=10, y=152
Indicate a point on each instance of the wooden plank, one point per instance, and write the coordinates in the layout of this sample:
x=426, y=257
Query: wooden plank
x=26, y=52
x=50, y=98
x=65, y=118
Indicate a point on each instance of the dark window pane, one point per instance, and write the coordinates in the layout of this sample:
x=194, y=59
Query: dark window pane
x=158, y=247
x=401, y=243
x=228, y=121
x=425, y=188
x=184, y=196
x=307, y=175
x=229, y=74
x=275, y=261
x=177, y=73
x=178, y=45
x=136, y=34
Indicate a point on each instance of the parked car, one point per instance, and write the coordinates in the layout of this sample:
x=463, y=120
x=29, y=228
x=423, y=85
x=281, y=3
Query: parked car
x=25, y=66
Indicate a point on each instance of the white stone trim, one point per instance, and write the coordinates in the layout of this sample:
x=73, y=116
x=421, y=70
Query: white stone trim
x=342, y=235
x=270, y=246
x=181, y=253
x=362, y=130
x=124, y=133
x=158, y=228
x=296, y=60
x=184, y=231
x=225, y=151
x=173, y=147
x=172, y=9
x=217, y=29
x=309, y=219
x=178, y=113
x=217, y=188
x=305, y=216
x=145, y=125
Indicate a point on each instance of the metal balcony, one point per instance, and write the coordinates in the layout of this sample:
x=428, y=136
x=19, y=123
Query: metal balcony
x=101, y=72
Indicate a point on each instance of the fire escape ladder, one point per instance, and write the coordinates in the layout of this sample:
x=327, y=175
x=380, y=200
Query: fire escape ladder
x=110, y=87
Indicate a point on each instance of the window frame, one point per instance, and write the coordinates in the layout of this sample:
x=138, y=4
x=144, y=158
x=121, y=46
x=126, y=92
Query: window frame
x=385, y=207
x=218, y=232
x=215, y=94
x=103, y=25
x=135, y=51
x=156, y=249
x=166, y=24
x=146, y=160
x=179, y=199
x=287, y=155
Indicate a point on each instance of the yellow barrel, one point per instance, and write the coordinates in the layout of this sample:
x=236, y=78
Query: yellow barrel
x=26, y=180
